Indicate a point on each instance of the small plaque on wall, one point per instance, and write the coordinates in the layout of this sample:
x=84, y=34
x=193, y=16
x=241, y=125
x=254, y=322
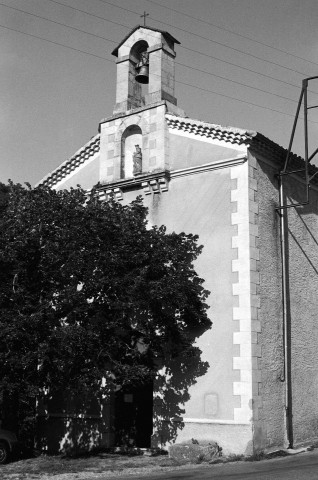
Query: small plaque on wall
x=211, y=404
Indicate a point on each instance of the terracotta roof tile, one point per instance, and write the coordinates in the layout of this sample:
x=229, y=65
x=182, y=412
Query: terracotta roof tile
x=210, y=130
x=80, y=157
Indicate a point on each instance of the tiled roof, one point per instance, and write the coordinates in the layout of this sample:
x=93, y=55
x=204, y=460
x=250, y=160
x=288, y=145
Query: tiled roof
x=253, y=140
x=80, y=157
x=210, y=130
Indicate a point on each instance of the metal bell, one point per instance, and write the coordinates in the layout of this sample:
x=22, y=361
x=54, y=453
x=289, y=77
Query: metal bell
x=143, y=74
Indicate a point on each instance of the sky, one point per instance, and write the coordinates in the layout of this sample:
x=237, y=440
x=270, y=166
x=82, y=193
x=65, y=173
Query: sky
x=240, y=63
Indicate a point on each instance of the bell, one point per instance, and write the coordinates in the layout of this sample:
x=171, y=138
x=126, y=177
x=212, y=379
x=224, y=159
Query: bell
x=143, y=74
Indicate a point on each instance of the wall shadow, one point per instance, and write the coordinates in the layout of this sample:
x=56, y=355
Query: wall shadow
x=72, y=424
x=171, y=392
x=142, y=416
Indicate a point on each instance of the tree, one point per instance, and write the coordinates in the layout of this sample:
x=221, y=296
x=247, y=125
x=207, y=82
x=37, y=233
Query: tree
x=91, y=299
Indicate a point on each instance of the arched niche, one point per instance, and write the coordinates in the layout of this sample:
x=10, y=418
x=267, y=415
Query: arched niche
x=131, y=137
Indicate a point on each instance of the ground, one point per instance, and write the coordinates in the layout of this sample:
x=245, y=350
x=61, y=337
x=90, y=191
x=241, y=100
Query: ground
x=98, y=466
x=303, y=466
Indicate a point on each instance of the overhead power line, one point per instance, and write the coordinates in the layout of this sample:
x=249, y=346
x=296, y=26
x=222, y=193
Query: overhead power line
x=237, y=83
x=58, y=23
x=180, y=82
x=240, y=100
x=178, y=63
x=118, y=6
x=231, y=48
x=244, y=68
x=209, y=39
x=227, y=30
x=211, y=56
x=57, y=43
x=89, y=14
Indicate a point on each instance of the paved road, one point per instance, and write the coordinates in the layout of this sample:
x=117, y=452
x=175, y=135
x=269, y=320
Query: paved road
x=303, y=466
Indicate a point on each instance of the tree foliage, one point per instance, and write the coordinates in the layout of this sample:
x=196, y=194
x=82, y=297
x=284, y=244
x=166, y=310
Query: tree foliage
x=91, y=298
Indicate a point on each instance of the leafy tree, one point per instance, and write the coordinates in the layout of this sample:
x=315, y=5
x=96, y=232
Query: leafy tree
x=91, y=299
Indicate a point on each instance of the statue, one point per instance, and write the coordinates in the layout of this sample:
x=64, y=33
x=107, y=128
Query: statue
x=137, y=160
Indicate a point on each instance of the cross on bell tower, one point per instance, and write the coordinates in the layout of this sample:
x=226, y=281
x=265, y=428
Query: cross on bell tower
x=144, y=17
x=145, y=56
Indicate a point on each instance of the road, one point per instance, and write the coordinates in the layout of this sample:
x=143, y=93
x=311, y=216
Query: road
x=303, y=466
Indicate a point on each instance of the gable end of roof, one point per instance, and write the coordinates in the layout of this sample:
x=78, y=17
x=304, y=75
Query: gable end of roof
x=164, y=33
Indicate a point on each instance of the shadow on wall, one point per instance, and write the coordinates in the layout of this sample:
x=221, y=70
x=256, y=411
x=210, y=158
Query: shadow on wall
x=70, y=424
x=72, y=436
x=304, y=233
x=294, y=189
x=141, y=416
x=171, y=392
x=301, y=285
x=144, y=416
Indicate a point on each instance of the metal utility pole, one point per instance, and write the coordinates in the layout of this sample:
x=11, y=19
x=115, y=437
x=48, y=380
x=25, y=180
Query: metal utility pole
x=282, y=211
x=302, y=99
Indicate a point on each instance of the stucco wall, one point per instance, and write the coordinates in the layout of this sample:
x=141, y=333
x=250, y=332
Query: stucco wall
x=271, y=429
x=303, y=280
x=201, y=203
x=187, y=152
x=302, y=243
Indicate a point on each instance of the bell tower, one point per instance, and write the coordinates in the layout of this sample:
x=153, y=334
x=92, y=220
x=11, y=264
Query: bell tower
x=145, y=69
x=134, y=141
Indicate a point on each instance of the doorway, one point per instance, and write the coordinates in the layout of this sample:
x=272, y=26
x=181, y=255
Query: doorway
x=133, y=416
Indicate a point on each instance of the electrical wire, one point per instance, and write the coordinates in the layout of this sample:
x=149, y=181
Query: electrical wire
x=58, y=23
x=208, y=39
x=57, y=43
x=178, y=63
x=237, y=83
x=90, y=14
x=224, y=29
x=192, y=50
x=126, y=26
x=180, y=82
x=231, y=48
x=242, y=101
x=185, y=48
x=244, y=68
x=118, y=6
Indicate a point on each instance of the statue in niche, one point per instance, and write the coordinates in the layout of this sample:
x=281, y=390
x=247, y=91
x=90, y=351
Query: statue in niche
x=137, y=160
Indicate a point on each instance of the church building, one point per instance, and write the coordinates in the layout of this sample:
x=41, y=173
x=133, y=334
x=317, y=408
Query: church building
x=260, y=261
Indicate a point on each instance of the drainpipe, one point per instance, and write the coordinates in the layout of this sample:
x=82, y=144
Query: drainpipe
x=286, y=323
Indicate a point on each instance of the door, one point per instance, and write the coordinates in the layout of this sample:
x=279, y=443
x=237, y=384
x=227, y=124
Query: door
x=133, y=416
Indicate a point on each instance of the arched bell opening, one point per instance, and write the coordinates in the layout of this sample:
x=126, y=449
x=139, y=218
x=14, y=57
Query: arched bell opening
x=140, y=57
x=131, y=152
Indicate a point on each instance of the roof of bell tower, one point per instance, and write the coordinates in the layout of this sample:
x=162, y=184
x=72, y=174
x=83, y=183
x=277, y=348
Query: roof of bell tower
x=167, y=36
